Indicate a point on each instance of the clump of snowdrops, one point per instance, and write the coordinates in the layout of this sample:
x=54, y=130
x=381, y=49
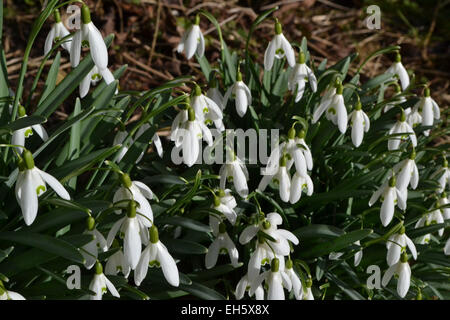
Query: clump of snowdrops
x=353, y=182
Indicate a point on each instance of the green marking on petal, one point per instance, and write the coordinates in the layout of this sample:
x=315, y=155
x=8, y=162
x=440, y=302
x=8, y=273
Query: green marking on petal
x=154, y=263
x=40, y=189
x=28, y=132
x=85, y=44
x=331, y=110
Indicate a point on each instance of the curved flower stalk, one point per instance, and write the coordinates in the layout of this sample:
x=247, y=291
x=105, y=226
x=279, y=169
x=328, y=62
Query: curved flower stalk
x=278, y=48
x=275, y=280
x=100, y=284
x=398, y=243
x=235, y=171
x=222, y=242
x=356, y=259
x=156, y=254
x=31, y=184
x=93, y=77
x=187, y=131
x=407, y=173
x=123, y=134
x=206, y=109
x=241, y=95
x=299, y=76
x=90, y=250
x=57, y=32
x=192, y=41
x=90, y=36
x=360, y=123
x=215, y=95
x=130, y=230
x=400, y=100
x=429, y=110
x=403, y=270
x=433, y=217
x=390, y=196
x=117, y=263
x=295, y=280
x=401, y=127
x=19, y=136
x=9, y=295
x=244, y=285
x=333, y=104
x=399, y=70
x=443, y=175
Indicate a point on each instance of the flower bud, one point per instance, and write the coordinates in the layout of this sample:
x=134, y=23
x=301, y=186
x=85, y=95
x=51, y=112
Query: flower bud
x=28, y=158
x=126, y=181
x=98, y=268
x=154, y=236
x=90, y=223
x=291, y=133
x=275, y=265
x=85, y=14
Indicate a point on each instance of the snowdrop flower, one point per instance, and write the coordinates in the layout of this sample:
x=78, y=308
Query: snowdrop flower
x=295, y=280
x=131, y=230
x=89, y=36
x=269, y=225
x=396, y=243
x=400, y=100
x=307, y=291
x=333, y=103
x=278, y=48
x=57, y=32
x=281, y=177
x=156, y=254
x=100, y=284
x=403, y=270
x=429, y=110
x=413, y=117
x=447, y=247
x=30, y=184
x=299, y=184
x=90, y=250
x=188, y=135
x=434, y=217
x=244, y=285
x=442, y=202
x=123, y=134
x=390, y=196
x=444, y=176
x=93, y=77
x=235, y=171
x=356, y=259
x=9, y=295
x=299, y=76
x=398, y=69
x=407, y=173
x=223, y=242
x=139, y=192
x=360, y=123
x=275, y=279
x=18, y=136
x=404, y=128
x=117, y=263
x=227, y=209
x=206, y=109
x=241, y=94
x=192, y=41
x=300, y=140
x=261, y=255
x=214, y=94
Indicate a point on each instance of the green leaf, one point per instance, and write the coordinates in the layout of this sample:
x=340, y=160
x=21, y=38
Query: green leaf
x=50, y=82
x=201, y=291
x=184, y=246
x=185, y=222
x=336, y=244
x=49, y=244
x=24, y=122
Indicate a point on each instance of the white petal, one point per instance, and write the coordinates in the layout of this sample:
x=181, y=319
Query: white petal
x=29, y=199
x=54, y=184
x=98, y=48
x=49, y=40
x=132, y=242
x=111, y=288
x=75, y=49
x=212, y=254
x=387, y=207
x=269, y=55
x=168, y=266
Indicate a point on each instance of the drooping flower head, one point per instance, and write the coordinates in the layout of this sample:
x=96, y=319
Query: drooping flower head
x=278, y=48
x=299, y=76
x=100, y=284
x=360, y=123
x=19, y=136
x=192, y=41
x=57, y=32
x=403, y=271
x=399, y=70
x=241, y=95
